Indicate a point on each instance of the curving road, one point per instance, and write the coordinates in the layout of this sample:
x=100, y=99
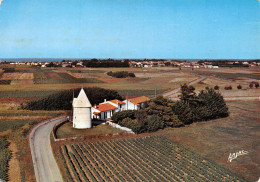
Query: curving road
x=178, y=89
x=45, y=166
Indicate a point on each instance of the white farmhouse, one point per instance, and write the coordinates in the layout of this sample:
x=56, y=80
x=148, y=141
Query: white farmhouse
x=136, y=103
x=82, y=111
x=107, y=109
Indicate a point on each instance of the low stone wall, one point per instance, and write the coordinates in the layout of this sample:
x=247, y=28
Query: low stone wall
x=128, y=130
x=55, y=128
x=120, y=127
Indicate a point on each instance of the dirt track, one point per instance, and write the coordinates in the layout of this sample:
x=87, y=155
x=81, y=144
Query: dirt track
x=178, y=89
x=45, y=166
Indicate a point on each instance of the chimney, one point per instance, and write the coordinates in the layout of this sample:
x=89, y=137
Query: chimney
x=95, y=106
x=105, y=100
x=117, y=102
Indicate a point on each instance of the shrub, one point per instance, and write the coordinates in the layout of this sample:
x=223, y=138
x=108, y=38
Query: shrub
x=184, y=111
x=213, y=103
x=120, y=74
x=133, y=124
x=153, y=123
x=239, y=87
x=131, y=75
x=148, y=124
x=251, y=85
x=255, y=83
x=187, y=92
x=119, y=116
x=228, y=87
x=109, y=73
x=216, y=87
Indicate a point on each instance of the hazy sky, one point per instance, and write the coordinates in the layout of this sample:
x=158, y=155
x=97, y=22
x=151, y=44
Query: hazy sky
x=130, y=28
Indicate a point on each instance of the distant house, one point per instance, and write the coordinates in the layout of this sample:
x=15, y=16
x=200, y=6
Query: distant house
x=106, y=109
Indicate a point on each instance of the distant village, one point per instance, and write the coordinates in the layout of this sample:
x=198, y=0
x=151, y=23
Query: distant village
x=144, y=63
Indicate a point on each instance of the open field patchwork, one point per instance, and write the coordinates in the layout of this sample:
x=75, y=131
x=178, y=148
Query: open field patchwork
x=145, y=159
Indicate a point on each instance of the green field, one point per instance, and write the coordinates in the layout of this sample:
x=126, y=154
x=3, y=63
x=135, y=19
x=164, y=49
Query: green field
x=145, y=159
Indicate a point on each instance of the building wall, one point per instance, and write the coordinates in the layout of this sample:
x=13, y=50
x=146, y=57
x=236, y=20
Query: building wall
x=106, y=114
x=82, y=118
x=130, y=106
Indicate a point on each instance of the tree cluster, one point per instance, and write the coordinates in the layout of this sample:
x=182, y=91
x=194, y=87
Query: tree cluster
x=207, y=105
x=251, y=85
x=157, y=115
x=96, y=63
x=228, y=87
x=63, y=99
x=120, y=74
x=161, y=112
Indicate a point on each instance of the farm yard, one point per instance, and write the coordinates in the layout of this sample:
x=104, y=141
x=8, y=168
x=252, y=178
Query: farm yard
x=153, y=158
x=66, y=131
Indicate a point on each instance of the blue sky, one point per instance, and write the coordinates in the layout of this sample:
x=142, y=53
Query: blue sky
x=206, y=29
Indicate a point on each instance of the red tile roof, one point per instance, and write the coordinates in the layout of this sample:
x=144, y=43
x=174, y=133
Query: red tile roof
x=105, y=107
x=115, y=102
x=139, y=100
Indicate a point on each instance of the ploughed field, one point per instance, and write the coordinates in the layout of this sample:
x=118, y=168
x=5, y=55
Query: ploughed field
x=153, y=158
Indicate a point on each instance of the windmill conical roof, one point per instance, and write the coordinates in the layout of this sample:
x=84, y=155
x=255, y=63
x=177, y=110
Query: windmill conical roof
x=82, y=100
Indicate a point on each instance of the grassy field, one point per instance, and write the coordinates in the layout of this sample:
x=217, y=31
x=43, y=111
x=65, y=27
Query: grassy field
x=153, y=158
x=66, y=130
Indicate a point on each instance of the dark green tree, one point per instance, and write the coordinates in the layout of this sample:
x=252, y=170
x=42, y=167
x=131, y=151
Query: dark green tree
x=119, y=116
x=216, y=87
x=162, y=107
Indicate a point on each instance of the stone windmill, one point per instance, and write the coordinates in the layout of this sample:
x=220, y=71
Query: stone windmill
x=81, y=111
